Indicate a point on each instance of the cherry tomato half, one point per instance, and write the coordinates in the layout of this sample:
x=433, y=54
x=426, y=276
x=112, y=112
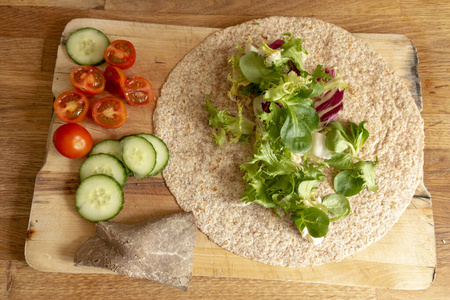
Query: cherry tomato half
x=121, y=54
x=72, y=140
x=115, y=78
x=71, y=107
x=87, y=79
x=109, y=112
x=138, y=91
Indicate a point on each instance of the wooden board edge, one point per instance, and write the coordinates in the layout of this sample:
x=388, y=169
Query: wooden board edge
x=373, y=274
x=379, y=276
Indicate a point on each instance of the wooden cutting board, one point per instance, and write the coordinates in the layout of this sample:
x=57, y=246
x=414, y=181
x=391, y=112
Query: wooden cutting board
x=404, y=259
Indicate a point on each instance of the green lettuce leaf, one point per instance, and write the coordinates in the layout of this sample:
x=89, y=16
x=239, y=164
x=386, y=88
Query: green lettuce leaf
x=253, y=67
x=306, y=189
x=314, y=219
x=337, y=205
x=236, y=127
x=367, y=173
x=236, y=77
x=273, y=158
x=342, y=161
x=293, y=50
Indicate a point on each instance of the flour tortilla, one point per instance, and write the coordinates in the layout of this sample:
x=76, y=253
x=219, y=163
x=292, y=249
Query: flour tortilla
x=206, y=179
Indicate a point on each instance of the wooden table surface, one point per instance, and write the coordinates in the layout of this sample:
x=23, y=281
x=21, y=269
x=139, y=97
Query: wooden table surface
x=29, y=37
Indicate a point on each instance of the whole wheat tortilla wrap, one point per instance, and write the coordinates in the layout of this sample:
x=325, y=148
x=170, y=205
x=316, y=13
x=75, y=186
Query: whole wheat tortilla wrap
x=206, y=179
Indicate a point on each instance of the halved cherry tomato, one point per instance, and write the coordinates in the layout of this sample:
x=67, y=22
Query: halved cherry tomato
x=115, y=78
x=109, y=112
x=71, y=107
x=121, y=54
x=138, y=91
x=87, y=79
x=72, y=140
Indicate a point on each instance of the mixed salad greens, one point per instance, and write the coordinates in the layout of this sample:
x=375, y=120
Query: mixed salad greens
x=295, y=134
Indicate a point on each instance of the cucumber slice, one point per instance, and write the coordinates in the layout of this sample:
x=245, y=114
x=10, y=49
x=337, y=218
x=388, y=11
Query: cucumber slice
x=103, y=164
x=138, y=155
x=112, y=147
x=162, y=152
x=85, y=46
x=99, y=198
x=109, y=146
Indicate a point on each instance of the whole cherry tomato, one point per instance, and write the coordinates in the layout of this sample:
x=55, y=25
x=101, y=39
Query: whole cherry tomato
x=72, y=140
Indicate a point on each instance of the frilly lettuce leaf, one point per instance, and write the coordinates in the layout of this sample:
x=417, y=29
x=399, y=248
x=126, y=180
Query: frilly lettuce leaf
x=367, y=173
x=236, y=77
x=289, y=85
x=293, y=50
x=237, y=128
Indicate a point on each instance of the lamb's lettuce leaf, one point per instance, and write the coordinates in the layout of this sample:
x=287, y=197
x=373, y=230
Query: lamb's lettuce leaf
x=340, y=160
x=338, y=206
x=253, y=67
x=314, y=219
x=347, y=143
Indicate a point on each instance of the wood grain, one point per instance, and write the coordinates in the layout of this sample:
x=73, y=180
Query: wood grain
x=208, y=7
x=26, y=116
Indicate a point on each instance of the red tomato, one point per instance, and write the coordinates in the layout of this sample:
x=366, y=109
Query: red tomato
x=109, y=112
x=72, y=140
x=115, y=78
x=71, y=107
x=121, y=54
x=87, y=79
x=138, y=91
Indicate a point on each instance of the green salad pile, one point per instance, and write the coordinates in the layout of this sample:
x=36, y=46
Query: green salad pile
x=296, y=135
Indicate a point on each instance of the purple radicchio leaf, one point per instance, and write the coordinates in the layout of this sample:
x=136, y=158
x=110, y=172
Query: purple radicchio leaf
x=331, y=72
x=276, y=44
x=330, y=115
x=335, y=99
x=329, y=105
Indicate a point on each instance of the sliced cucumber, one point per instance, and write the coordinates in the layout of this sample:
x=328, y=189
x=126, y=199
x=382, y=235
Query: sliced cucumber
x=138, y=155
x=103, y=164
x=109, y=146
x=99, y=198
x=112, y=147
x=162, y=152
x=86, y=46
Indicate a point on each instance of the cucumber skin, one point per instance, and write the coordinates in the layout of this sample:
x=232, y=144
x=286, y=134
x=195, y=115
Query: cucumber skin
x=123, y=140
x=69, y=52
x=101, y=142
x=94, y=65
x=113, y=157
x=153, y=173
x=129, y=172
x=110, y=217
